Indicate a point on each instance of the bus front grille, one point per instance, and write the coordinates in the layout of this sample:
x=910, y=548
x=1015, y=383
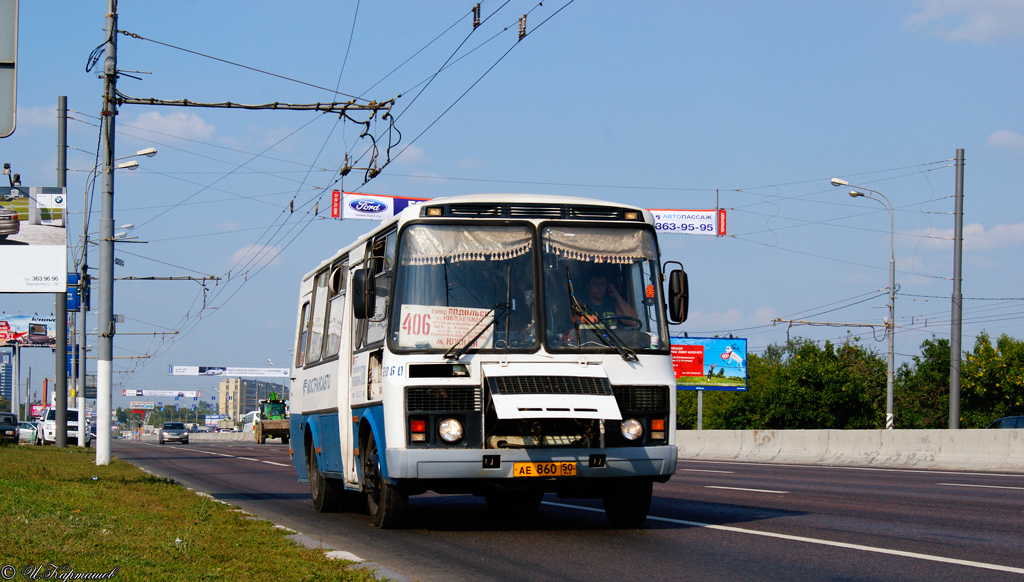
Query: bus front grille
x=442, y=399
x=640, y=398
x=548, y=385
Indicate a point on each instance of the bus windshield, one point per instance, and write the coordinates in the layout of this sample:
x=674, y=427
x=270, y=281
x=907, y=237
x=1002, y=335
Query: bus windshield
x=602, y=289
x=465, y=286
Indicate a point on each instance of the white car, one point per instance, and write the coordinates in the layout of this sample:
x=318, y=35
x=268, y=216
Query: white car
x=46, y=428
x=26, y=432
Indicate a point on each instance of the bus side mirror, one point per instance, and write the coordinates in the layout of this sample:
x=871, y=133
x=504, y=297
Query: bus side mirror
x=362, y=294
x=678, y=296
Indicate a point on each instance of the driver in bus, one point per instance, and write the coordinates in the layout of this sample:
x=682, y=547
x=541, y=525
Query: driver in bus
x=604, y=300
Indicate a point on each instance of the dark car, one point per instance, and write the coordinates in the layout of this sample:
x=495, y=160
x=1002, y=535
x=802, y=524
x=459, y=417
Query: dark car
x=9, y=429
x=9, y=222
x=1008, y=422
x=173, y=431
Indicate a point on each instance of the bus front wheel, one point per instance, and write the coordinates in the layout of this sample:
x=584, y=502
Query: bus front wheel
x=626, y=503
x=386, y=503
x=326, y=495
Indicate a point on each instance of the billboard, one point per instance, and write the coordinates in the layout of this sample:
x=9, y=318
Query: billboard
x=174, y=393
x=690, y=221
x=235, y=372
x=374, y=206
x=28, y=331
x=33, y=242
x=8, y=65
x=710, y=363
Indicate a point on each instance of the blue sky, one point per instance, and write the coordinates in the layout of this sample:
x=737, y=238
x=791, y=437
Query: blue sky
x=746, y=106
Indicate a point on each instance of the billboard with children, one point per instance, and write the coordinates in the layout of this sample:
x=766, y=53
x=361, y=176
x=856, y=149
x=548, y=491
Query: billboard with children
x=711, y=363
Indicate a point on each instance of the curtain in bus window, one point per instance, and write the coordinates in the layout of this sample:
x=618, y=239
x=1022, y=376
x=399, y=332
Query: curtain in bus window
x=436, y=244
x=600, y=245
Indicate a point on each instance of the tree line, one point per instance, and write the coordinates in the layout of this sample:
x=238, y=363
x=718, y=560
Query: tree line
x=804, y=385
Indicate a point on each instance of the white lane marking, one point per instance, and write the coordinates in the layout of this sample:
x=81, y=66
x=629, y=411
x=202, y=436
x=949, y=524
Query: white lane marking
x=980, y=486
x=843, y=545
x=273, y=463
x=246, y=459
x=743, y=489
x=706, y=471
x=845, y=468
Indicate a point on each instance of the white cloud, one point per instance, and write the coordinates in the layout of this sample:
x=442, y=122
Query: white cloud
x=412, y=155
x=976, y=237
x=37, y=117
x=980, y=21
x=178, y=124
x=252, y=257
x=1006, y=139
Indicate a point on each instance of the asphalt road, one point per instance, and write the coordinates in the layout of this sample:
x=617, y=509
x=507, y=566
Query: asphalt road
x=711, y=521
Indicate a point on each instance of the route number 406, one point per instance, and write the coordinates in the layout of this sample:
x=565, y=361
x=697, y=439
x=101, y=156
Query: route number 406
x=416, y=324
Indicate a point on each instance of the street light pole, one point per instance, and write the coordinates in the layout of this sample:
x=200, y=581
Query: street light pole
x=890, y=324
x=105, y=339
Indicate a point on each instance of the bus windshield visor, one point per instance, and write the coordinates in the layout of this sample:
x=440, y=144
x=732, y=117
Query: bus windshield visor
x=602, y=290
x=463, y=287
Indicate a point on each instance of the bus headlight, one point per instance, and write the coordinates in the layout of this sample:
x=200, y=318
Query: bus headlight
x=632, y=429
x=450, y=430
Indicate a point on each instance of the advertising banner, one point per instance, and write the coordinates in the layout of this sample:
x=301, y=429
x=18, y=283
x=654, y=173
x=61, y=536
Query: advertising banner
x=690, y=221
x=710, y=363
x=174, y=393
x=231, y=371
x=33, y=243
x=142, y=405
x=213, y=419
x=28, y=331
x=374, y=206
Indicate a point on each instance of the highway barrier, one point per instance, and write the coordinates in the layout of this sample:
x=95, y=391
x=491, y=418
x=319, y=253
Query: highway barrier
x=953, y=450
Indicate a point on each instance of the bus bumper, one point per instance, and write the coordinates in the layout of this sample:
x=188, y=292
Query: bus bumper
x=469, y=463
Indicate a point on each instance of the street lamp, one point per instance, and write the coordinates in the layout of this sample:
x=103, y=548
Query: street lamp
x=890, y=324
x=104, y=373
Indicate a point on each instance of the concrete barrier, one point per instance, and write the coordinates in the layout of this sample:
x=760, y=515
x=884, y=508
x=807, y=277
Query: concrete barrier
x=953, y=450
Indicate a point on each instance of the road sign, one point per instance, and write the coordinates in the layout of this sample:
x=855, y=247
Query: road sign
x=74, y=301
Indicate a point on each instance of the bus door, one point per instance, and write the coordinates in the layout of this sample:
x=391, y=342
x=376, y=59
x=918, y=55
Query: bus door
x=339, y=323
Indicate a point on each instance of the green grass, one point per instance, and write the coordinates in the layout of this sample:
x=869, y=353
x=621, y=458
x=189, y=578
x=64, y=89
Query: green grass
x=57, y=507
x=715, y=381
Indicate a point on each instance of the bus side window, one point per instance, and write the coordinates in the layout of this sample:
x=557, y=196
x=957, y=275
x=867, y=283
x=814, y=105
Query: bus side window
x=318, y=321
x=300, y=350
x=336, y=307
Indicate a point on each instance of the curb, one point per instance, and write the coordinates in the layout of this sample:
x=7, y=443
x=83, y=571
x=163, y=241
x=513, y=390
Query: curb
x=379, y=571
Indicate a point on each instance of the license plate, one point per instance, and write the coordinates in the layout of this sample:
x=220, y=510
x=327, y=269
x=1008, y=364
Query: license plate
x=558, y=469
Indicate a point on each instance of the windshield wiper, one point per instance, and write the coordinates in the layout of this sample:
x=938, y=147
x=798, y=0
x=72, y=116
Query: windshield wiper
x=600, y=329
x=455, y=352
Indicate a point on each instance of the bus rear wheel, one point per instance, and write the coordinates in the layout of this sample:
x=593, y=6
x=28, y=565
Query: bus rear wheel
x=386, y=503
x=626, y=503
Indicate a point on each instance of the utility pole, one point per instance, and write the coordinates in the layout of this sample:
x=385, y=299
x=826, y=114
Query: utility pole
x=105, y=337
x=956, y=332
x=61, y=298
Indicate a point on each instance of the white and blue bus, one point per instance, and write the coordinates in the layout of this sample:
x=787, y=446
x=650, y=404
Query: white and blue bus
x=505, y=346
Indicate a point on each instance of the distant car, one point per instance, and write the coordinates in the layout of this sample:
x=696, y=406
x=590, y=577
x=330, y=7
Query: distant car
x=9, y=222
x=27, y=432
x=9, y=427
x=46, y=428
x=1008, y=422
x=173, y=431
